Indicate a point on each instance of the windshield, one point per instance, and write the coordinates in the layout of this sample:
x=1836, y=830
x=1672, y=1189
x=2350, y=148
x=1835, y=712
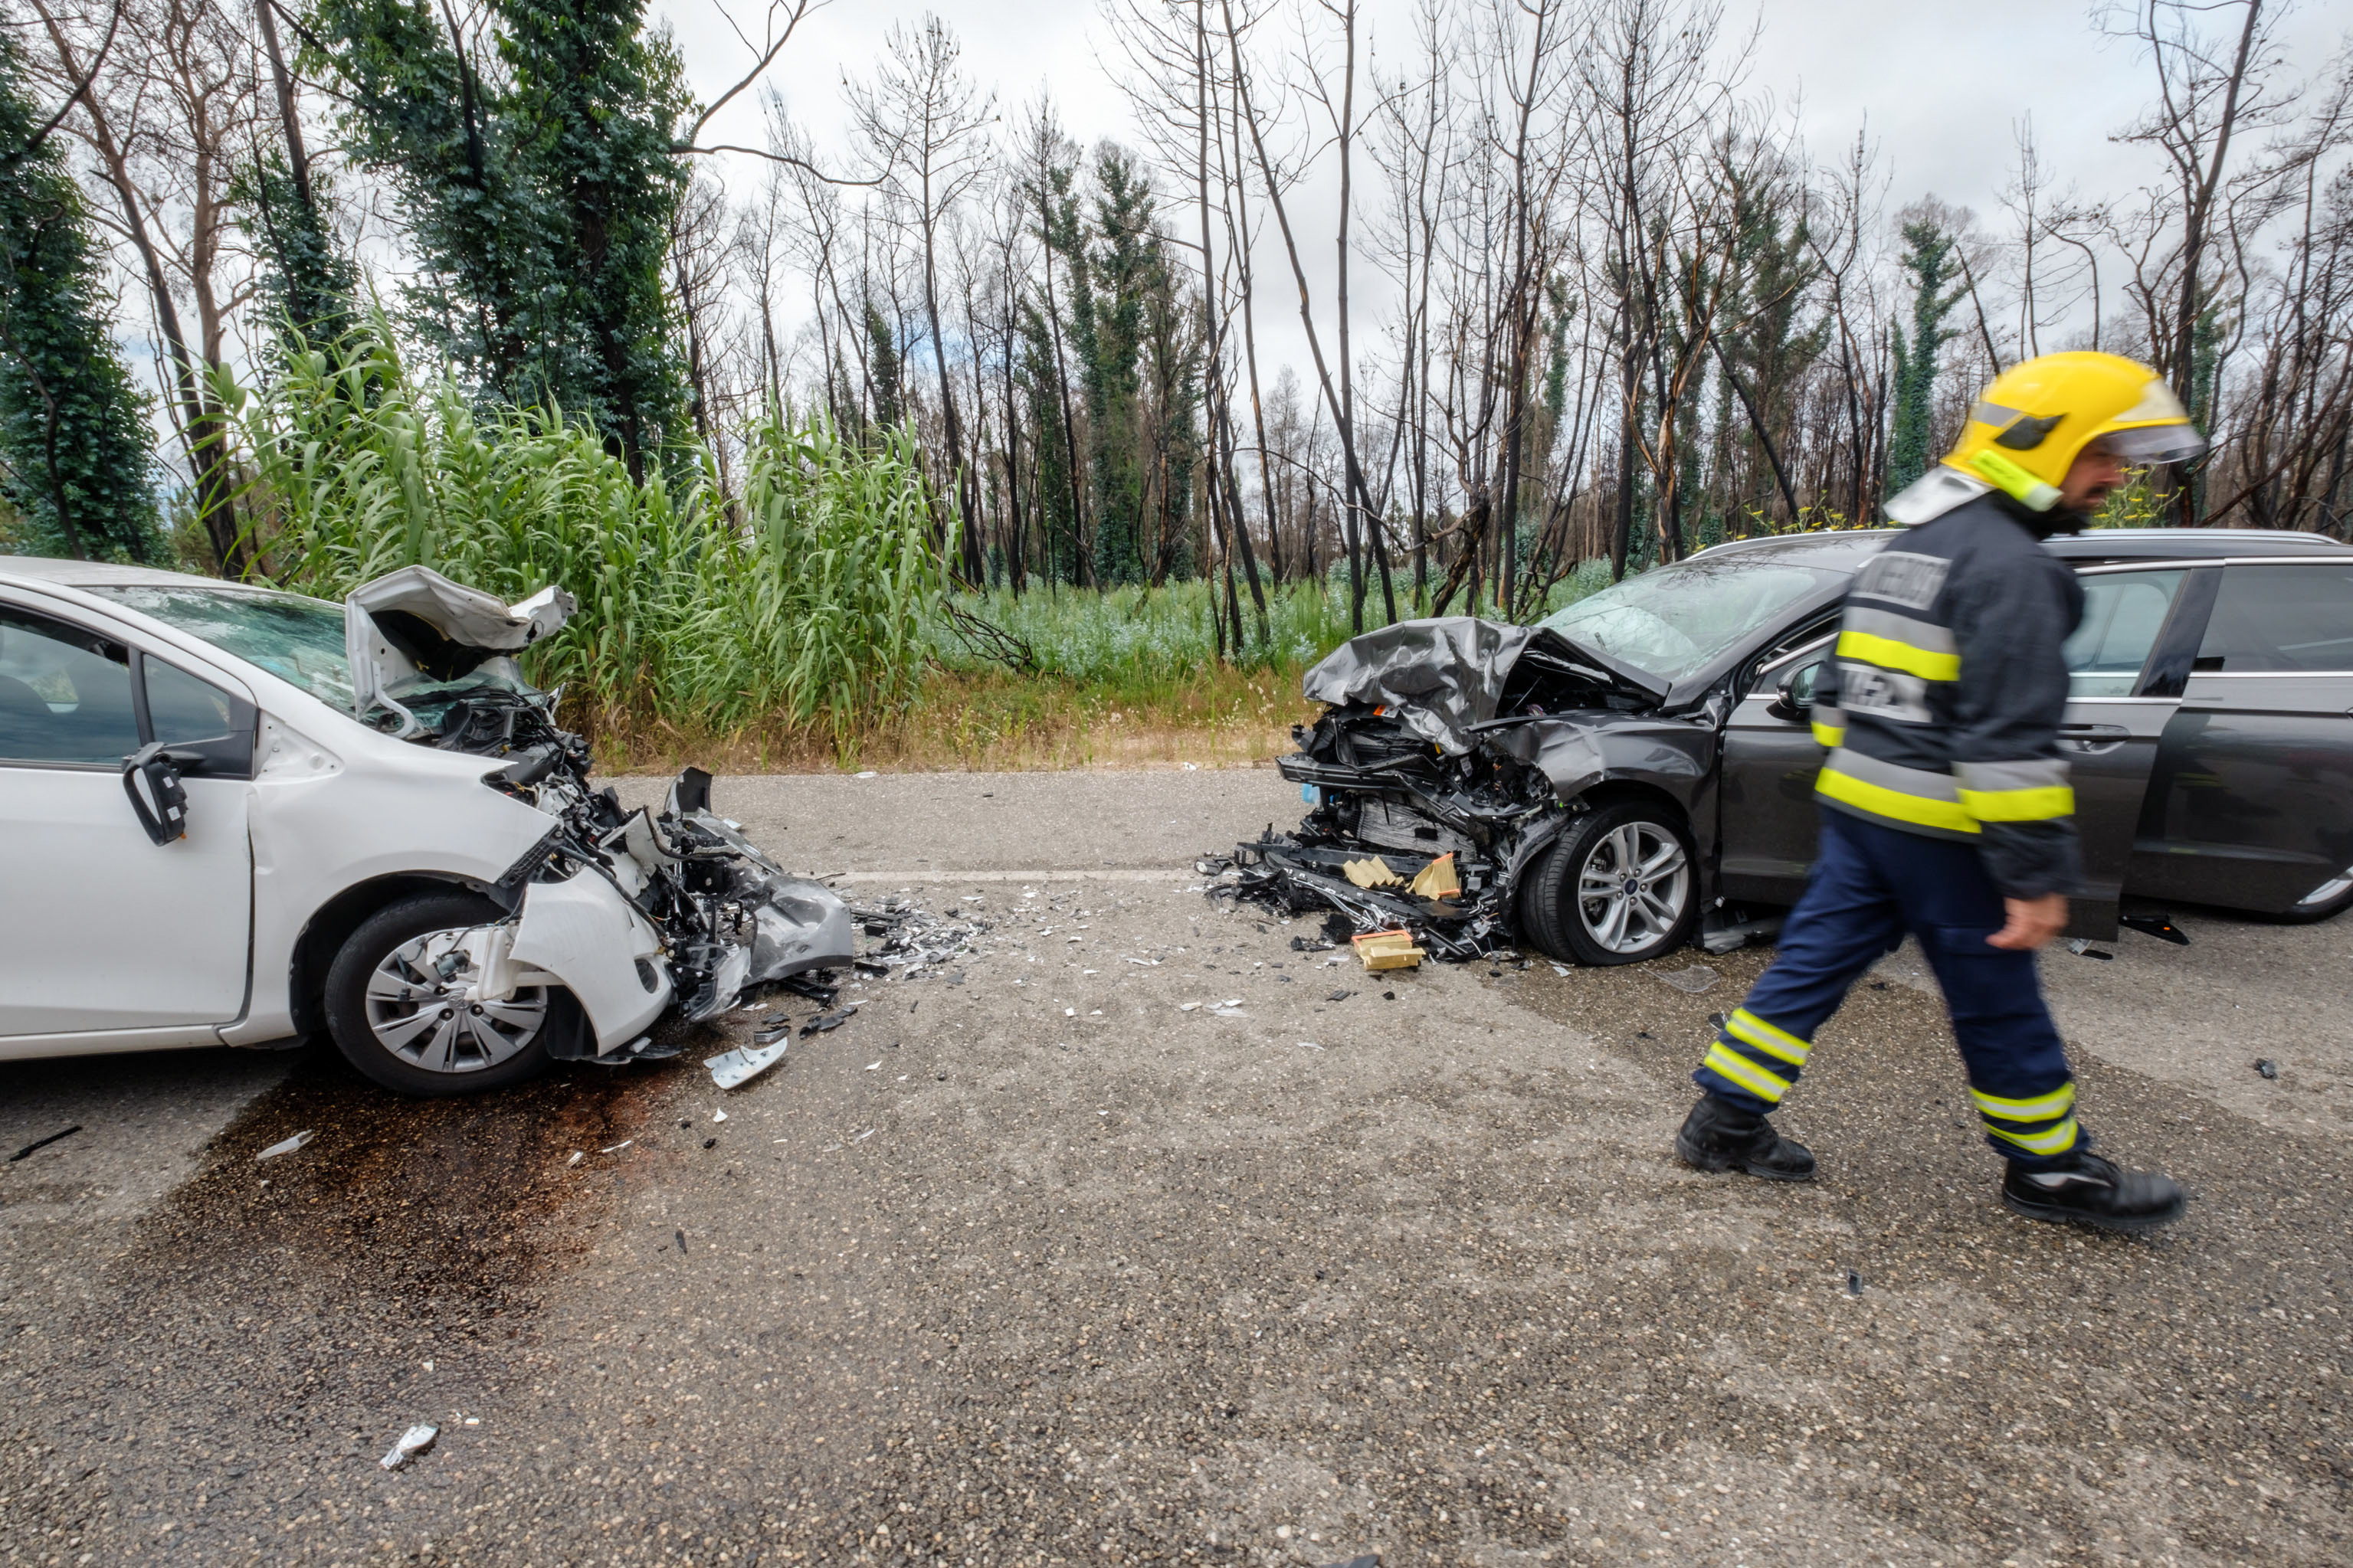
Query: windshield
x=1672, y=621
x=299, y=640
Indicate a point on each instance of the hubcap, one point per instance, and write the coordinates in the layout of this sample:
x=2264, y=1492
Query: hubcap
x=1633, y=886
x=425, y=1006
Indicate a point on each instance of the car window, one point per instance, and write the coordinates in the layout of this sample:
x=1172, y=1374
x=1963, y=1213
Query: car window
x=180, y=708
x=64, y=693
x=2123, y=613
x=2280, y=618
x=299, y=640
x=1672, y=620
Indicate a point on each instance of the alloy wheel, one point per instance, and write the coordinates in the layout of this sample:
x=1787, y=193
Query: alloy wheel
x=426, y=1006
x=1633, y=888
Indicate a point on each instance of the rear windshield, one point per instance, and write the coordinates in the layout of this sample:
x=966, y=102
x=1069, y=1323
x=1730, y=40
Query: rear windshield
x=299, y=640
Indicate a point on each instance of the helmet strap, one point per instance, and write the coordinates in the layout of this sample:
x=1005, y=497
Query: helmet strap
x=2014, y=482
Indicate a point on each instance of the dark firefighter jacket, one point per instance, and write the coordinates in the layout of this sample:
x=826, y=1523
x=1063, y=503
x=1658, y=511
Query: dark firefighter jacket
x=1943, y=700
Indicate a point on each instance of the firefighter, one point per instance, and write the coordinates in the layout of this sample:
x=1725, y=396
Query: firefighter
x=1947, y=812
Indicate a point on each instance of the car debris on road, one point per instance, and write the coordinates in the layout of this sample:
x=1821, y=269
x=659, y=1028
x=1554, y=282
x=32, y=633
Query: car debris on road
x=413, y=1442
x=285, y=1146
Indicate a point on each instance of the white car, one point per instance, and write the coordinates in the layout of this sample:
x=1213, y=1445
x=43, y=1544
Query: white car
x=231, y=815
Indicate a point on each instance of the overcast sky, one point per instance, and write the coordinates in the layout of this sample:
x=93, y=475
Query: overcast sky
x=1940, y=86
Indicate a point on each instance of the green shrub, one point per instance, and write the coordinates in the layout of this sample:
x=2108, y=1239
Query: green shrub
x=808, y=604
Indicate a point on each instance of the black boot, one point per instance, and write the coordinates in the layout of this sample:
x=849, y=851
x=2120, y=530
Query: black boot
x=2089, y=1191
x=1720, y=1136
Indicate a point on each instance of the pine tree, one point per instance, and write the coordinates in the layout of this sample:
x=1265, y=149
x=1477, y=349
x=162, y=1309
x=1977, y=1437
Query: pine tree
x=540, y=198
x=74, y=459
x=1929, y=258
x=310, y=286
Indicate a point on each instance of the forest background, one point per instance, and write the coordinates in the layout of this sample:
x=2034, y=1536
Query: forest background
x=943, y=439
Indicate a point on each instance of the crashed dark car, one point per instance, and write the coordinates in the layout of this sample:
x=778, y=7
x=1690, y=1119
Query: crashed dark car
x=1636, y=772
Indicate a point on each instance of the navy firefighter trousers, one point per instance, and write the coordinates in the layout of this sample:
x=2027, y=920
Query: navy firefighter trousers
x=1870, y=886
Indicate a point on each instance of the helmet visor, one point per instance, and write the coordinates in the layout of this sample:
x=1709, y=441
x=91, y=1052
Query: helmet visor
x=2152, y=444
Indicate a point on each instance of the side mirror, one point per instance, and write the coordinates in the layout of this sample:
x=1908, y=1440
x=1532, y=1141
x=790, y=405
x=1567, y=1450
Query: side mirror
x=1793, y=698
x=151, y=777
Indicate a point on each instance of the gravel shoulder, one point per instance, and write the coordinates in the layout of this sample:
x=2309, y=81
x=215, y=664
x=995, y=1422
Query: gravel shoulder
x=1032, y=1262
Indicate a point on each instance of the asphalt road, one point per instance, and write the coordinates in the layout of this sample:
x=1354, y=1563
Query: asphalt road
x=1031, y=1262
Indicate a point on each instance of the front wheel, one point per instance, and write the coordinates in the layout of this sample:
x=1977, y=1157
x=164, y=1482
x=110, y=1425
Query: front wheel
x=1618, y=888
x=404, y=1002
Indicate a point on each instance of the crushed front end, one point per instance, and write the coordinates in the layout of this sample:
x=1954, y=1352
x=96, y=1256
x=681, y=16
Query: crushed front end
x=632, y=910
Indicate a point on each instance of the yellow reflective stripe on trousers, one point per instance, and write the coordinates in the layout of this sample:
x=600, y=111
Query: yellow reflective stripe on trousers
x=2057, y=1141
x=1889, y=653
x=2019, y=804
x=2042, y=1108
x=1753, y=1030
x=1764, y=1085
x=1893, y=804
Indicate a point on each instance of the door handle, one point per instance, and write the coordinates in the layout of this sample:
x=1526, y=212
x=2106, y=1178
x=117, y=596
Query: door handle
x=2093, y=739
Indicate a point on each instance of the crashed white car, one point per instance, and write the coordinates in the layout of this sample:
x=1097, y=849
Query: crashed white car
x=229, y=815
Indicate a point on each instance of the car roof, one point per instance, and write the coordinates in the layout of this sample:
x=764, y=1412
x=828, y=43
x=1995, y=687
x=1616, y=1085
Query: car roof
x=102, y=575
x=2188, y=543
x=1846, y=550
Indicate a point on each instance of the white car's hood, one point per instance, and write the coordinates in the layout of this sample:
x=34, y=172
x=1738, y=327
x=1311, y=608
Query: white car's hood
x=416, y=622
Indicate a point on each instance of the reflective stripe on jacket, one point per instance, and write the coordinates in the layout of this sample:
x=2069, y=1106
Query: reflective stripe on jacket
x=1942, y=701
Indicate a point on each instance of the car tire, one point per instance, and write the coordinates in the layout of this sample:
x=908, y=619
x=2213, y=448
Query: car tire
x=1575, y=920
x=391, y=1038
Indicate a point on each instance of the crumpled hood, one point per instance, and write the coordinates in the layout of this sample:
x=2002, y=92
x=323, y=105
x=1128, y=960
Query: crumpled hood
x=416, y=622
x=1445, y=674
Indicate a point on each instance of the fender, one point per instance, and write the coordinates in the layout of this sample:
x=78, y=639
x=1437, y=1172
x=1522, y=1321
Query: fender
x=582, y=931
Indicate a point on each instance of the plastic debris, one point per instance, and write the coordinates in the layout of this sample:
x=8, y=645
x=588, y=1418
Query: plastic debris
x=617, y=1147
x=2081, y=948
x=2268, y=1068
x=40, y=1143
x=413, y=1442
x=577, y=1155
x=1186, y=1006
x=285, y=1146
x=1691, y=979
x=733, y=1069
x=1339, y=997
x=1380, y=950
x=2158, y=926
x=1853, y=1283
x=718, y=1116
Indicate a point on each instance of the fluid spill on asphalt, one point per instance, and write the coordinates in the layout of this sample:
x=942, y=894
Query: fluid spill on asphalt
x=270, y=1326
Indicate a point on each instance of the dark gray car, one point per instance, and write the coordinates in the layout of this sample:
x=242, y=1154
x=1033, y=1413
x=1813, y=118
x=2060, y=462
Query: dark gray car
x=1641, y=765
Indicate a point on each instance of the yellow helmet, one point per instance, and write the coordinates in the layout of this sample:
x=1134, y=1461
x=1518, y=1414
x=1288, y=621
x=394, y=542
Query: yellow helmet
x=2036, y=418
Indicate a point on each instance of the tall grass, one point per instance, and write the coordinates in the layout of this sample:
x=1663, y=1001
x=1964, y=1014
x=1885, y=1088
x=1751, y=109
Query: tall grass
x=809, y=617
x=808, y=604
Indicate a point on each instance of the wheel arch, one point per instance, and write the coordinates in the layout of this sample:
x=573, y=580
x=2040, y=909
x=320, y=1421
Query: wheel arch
x=1609, y=792
x=332, y=924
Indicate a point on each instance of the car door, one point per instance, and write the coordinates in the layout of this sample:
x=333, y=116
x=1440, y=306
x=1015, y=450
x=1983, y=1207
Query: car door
x=1770, y=823
x=2115, y=713
x=101, y=930
x=2251, y=805
x=2120, y=697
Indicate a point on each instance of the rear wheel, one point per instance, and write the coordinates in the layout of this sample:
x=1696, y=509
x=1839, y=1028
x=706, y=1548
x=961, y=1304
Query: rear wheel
x=1620, y=887
x=405, y=1006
